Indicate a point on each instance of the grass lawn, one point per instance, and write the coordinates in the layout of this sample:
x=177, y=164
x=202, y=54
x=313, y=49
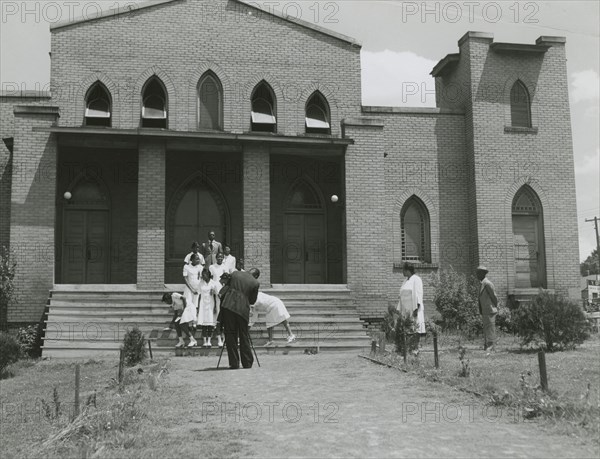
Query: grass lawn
x=325, y=405
x=510, y=377
x=144, y=415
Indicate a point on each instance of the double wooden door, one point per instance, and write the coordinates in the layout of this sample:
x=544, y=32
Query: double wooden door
x=304, y=255
x=85, y=247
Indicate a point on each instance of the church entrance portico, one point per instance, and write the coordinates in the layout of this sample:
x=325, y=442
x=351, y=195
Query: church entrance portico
x=307, y=240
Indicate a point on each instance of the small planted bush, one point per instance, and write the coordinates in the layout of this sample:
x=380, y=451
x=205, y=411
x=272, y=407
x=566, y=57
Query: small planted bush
x=389, y=323
x=552, y=320
x=28, y=340
x=405, y=334
x=134, y=347
x=456, y=298
x=7, y=287
x=10, y=351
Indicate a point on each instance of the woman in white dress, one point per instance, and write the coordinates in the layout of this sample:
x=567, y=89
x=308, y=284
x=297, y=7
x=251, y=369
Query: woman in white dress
x=218, y=268
x=208, y=307
x=275, y=313
x=191, y=292
x=411, y=298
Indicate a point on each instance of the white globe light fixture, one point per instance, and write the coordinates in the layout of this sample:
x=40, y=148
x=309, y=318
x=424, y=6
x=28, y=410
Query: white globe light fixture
x=334, y=198
x=67, y=195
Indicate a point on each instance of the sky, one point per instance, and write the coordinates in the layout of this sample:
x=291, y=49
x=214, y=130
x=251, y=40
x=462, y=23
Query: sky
x=401, y=43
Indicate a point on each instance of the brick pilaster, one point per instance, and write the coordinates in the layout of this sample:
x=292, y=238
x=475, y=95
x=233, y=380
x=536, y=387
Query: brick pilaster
x=151, y=215
x=257, y=211
x=32, y=211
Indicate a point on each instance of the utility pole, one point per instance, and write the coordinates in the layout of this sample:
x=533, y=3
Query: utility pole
x=595, y=220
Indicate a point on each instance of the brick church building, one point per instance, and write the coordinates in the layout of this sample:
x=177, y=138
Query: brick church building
x=161, y=127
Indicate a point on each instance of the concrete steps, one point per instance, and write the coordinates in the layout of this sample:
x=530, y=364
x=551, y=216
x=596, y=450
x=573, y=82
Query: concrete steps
x=85, y=321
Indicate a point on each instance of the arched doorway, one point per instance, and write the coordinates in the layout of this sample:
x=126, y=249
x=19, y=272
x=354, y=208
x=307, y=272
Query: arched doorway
x=528, y=234
x=196, y=208
x=305, y=234
x=85, y=233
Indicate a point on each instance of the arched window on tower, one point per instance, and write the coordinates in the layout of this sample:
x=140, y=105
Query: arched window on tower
x=98, y=106
x=317, y=115
x=210, y=102
x=416, y=240
x=520, y=105
x=154, y=104
x=264, y=110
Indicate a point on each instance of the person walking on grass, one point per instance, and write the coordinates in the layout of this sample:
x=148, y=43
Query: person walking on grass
x=488, y=308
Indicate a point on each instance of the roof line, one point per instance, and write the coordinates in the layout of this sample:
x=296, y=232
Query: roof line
x=303, y=23
x=132, y=8
x=129, y=8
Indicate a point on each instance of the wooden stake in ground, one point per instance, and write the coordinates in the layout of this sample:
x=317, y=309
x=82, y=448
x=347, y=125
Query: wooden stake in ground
x=436, y=359
x=77, y=379
x=381, y=339
x=150, y=349
x=121, y=362
x=404, y=350
x=543, y=374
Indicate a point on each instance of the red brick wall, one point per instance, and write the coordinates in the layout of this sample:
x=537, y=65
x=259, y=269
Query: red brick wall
x=32, y=213
x=366, y=216
x=179, y=41
x=8, y=100
x=151, y=215
x=421, y=153
x=504, y=161
x=257, y=223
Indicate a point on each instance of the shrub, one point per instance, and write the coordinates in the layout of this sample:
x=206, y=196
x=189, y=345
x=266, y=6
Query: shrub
x=456, y=298
x=405, y=333
x=134, y=347
x=465, y=369
x=7, y=289
x=553, y=320
x=504, y=320
x=10, y=351
x=28, y=340
x=389, y=323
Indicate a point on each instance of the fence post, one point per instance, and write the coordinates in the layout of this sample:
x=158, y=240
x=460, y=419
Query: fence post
x=77, y=379
x=121, y=361
x=435, y=350
x=543, y=374
x=382, y=342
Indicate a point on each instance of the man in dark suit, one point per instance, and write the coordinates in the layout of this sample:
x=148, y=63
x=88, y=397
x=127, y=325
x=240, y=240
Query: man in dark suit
x=210, y=249
x=488, y=308
x=240, y=292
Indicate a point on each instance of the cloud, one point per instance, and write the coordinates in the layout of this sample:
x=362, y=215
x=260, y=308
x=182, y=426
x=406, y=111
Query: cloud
x=585, y=86
x=588, y=165
x=397, y=79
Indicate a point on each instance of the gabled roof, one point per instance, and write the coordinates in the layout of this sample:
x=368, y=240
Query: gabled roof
x=302, y=23
x=128, y=9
